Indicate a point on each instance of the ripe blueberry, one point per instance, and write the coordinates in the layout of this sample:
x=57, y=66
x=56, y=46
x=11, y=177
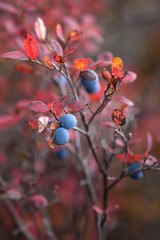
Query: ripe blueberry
x=61, y=136
x=62, y=154
x=91, y=86
x=133, y=167
x=58, y=77
x=68, y=121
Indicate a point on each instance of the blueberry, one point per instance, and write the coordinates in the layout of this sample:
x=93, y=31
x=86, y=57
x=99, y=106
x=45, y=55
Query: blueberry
x=91, y=86
x=133, y=167
x=58, y=77
x=61, y=136
x=62, y=154
x=68, y=121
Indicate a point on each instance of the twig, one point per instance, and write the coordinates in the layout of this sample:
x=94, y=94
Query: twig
x=47, y=224
x=18, y=221
x=80, y=130
x=105, y=101
x=126, y=174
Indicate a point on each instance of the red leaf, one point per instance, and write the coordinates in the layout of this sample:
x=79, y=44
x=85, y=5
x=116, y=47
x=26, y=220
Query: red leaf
x=38, y=201
x=124, y=100
x=56, y=47
x=129, y=158
x=74, y=36
x=108, y=124
x=149, y=143
x=24, y=69
x=9, y=8
x=31, y=46
x=76, y=106
x=17, y=55
x=33, y=122
x=40, y=29
x=60, y=104
x=106, y=75
x=129, y=78
x=22, y=104
x=46, y=96
x=9, y=120
x=69, y=50
x=105, y=59
x=118, y=117
x=60, y=34
x=38, y=106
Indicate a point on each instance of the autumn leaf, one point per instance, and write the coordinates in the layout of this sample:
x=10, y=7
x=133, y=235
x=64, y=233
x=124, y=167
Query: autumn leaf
x=56, y=47
x=42, y=123
x=31, y=46
x=60, y=104
x=38, y=200
x=40, y=29
x=76, y=106
x=123, y=100
x=60, y=34
x=119, y=117
x=38, y=106
x=16, y=55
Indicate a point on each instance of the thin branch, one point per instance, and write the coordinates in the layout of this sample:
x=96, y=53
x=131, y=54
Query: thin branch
x=18, y=221
x=126, y=174
x=105, y=101
x=86, y=125
x=80, y=130
x=105, y=184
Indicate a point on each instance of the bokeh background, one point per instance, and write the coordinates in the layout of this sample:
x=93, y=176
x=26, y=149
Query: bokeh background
x=131, y=31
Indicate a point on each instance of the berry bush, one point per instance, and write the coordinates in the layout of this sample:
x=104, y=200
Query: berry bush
x=65, y=106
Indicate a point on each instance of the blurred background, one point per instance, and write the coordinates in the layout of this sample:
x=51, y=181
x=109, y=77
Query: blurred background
x=131, y=31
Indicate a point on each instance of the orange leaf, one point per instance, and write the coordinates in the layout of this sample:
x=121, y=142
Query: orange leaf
x=51, y=139
x=81, y=64
x=106, y=75
x=31, y=46
x=74, y=36
x=48, y=61
x=60, y=34
x=117, y=65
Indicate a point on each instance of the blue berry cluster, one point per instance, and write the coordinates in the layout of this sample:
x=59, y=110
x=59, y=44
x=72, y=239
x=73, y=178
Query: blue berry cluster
x=67, y=122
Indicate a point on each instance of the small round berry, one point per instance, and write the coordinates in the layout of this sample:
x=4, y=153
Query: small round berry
x=58, y=77
x=68, y=121
x=62, y=154
x=90, y=81
x=133, y=167
x=61, y=136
